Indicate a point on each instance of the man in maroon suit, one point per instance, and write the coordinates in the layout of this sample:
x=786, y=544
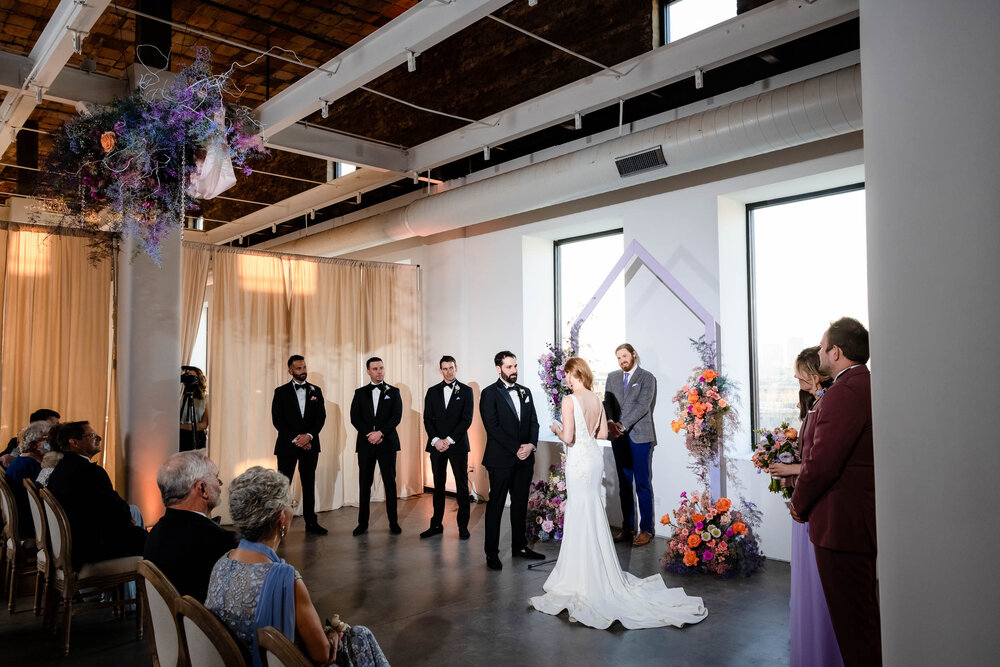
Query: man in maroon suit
x=835, y=492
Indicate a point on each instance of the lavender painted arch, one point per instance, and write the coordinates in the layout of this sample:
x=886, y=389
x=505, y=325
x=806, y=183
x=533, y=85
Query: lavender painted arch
x=717, y=475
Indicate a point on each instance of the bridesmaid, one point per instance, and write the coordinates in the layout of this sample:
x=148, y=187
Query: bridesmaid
x=813, y=643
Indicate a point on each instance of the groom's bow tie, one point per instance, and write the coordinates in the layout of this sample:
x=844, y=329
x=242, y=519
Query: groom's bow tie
x=450, y=385
x=300, y=386
x=513, y=387
x=380, y=386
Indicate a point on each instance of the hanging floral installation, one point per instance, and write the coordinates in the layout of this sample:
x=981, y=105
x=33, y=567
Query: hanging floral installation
x=134, y=167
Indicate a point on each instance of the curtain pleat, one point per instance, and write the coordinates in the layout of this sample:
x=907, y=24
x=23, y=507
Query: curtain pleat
x=194, y=277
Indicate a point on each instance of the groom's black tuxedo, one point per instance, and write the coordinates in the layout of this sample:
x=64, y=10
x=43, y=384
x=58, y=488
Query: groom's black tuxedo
x=444, y=422
x=366, y=418
x=505, y=433
x=290, y=422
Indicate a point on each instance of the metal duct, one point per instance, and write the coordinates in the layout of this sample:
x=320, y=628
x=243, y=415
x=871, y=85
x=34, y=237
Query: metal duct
x=811, y=110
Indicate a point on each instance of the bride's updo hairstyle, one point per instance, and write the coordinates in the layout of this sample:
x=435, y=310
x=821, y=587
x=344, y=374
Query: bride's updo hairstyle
x=579, y=369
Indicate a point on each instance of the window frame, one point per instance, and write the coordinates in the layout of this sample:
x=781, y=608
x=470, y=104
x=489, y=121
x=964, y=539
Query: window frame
x=557, y=274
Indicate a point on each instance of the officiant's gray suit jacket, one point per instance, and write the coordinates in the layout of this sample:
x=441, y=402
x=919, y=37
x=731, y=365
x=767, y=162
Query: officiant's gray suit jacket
x=636, y=403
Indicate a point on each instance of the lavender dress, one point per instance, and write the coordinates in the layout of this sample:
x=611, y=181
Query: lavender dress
x=813, y=643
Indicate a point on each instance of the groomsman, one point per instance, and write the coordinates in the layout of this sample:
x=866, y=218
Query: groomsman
x=511, y=439
x=835, y=493
x=447, y=417
x=298, y=412
x=633, y=389
x=376, y=411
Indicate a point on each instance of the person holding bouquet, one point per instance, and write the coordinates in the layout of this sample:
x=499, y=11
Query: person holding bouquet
x=813, y=641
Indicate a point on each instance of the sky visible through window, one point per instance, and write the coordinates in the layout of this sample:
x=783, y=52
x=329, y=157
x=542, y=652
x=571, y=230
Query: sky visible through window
x=686, y=17
x=810, y=267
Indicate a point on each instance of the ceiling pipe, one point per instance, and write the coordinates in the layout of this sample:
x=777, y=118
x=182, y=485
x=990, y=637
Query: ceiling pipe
x=804, y=112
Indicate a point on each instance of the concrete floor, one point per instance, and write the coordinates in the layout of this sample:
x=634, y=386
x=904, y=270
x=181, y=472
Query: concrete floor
x=434, y=602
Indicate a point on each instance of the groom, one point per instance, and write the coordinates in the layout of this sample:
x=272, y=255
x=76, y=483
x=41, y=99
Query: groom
x=511, y=437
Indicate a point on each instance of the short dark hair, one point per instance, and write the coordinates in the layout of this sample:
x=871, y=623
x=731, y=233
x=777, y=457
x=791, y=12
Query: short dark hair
x=61, y=434
x=295, y=357
x=851, y=337
x=368, y=364
x=42, y=415
x=447, y=358
x=500, y=356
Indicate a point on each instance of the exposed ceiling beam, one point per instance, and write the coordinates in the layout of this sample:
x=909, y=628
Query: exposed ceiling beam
x=69, y=25
x=416, y=30
x=329, y=145
x=70, y=87
x=767, y=26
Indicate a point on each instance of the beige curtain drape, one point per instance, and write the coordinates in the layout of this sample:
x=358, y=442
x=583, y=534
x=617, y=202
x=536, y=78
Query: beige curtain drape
x=393, y=332
x=194, y=276
x=56, y=330
x=247, y=351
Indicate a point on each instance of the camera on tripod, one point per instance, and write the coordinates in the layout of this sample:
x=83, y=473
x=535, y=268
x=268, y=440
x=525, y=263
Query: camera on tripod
x=188, y=380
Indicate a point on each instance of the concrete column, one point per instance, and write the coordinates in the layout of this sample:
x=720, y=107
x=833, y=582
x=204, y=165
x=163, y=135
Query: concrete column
x=931, y=106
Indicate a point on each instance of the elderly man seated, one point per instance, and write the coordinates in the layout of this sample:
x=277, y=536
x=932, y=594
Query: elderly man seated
x=99, y=520
x=185, y=543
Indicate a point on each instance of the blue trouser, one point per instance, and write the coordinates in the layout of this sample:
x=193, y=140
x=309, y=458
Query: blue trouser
x=639, y=476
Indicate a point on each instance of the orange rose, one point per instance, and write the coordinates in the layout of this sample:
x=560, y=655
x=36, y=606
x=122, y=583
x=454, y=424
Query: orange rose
x=723, y=504
x=690, y=558
x=791, y=433
x=694, y=540
x=698, y=409
x=693, y=397
x=709, y=375
x=697, y=517
x=739, y=527
x=108, y=141
x=722, y=403
x=665, y=519
x=676, y=425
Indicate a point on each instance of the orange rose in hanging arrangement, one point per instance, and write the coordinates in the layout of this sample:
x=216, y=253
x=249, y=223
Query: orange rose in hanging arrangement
x=108, y=141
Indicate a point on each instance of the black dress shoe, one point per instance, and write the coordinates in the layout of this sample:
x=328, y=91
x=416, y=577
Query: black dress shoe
x=463, y=533
x=431, y=532
x=316, y=529
x=529, y=554
x=360, y=530
x=493, y=563
x=395, y=529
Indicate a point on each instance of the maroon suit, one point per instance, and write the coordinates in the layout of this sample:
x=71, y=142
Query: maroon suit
x=835, y=492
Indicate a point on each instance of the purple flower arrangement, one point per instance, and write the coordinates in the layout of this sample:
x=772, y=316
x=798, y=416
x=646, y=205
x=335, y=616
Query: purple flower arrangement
x=547, y=505
x=124, y=167
x=552, y=369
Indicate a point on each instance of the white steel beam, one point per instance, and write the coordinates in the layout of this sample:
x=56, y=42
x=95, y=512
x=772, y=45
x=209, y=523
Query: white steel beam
x=71, y=85
x=758, y=30
x=329, y=145
x=416, y=30
x=70, y=23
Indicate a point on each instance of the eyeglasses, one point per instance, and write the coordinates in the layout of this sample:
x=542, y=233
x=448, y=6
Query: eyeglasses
x=92, y=435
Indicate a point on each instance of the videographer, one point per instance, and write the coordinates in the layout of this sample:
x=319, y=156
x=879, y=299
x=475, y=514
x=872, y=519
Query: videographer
x=194, y=409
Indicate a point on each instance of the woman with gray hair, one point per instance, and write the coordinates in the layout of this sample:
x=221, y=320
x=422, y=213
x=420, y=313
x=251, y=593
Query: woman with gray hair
x=251, y=588
x=32, y=443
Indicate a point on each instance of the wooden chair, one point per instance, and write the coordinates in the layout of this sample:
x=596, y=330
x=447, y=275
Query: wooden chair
x=277, y=650
x=160, y=602
x=43, y=553
x=205, y=641
x=19, y=553
x=67, y=581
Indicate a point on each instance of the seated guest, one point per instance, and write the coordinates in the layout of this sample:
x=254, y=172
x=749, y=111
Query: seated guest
x=34, y=441
x=100, y=521
x=49, y=463
x=185, y=543
x=251, y=587
x=44, y=414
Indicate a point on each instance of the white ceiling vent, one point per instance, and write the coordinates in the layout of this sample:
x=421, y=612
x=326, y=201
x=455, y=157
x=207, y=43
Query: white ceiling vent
x=636, y=163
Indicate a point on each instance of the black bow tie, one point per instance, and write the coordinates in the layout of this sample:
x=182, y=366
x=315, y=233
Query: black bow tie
x=450, y=385
x=300, y=386
x=512, y=388
x=380, y=386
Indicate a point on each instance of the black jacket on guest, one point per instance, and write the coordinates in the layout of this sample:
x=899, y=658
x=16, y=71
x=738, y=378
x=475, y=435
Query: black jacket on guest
x=185, y=546
x=452, y=421
x=365, y=419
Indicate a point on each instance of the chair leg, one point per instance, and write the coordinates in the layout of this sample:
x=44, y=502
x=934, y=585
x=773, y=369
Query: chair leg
x=38, y=592
x=50, y=606
x=139, y=611
x=12, y=600
x=67, y=621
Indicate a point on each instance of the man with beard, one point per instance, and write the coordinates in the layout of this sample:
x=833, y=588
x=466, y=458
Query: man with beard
x=511, y=439
x=298, y=412
x=185, y=543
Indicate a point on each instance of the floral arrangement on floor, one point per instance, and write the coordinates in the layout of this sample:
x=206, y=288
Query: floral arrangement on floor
x=551, y=369
x=713, y=537
x=547, y=504
x=781, y=445
x=136, y=165
x=705, y=410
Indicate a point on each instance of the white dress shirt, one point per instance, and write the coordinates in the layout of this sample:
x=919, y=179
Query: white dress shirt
x=300, y=395
x=448, y=391
x=375, y=394
x=515, y=397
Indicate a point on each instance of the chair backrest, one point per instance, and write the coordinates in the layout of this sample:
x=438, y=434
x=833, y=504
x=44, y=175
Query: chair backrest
x=8, y=509
x=60, y=539
x=161, y=599
x=206, y=641
x=277, y=650
x=41, y=525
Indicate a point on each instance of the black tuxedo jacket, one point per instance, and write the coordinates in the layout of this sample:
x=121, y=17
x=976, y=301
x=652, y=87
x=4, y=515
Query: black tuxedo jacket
x=451, y=422
x=289, y=421
x=98, y=517
x=386, y=419
x=185, y=546
x=504, y=432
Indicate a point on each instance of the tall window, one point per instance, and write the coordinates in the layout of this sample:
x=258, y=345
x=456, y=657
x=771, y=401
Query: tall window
x=581, y=265
x=807, y=268
x=686, y=17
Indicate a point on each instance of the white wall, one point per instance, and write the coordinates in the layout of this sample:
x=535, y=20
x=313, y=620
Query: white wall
x=489, y=287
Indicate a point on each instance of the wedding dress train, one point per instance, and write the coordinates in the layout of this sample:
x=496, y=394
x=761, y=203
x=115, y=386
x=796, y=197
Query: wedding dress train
x=587, y=579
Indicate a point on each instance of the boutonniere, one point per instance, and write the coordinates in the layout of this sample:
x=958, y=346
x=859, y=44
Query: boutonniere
x=819, y=394
x=523, y=394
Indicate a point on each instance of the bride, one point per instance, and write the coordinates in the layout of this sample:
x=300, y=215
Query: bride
x=587, y=580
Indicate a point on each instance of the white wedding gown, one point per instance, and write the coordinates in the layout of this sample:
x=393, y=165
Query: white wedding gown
x=587, y=580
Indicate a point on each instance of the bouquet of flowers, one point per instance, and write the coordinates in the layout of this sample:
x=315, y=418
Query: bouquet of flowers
x=713, y=537
x=781, y=445
x=704, y=410
x=552, y=373
x=547, y=504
